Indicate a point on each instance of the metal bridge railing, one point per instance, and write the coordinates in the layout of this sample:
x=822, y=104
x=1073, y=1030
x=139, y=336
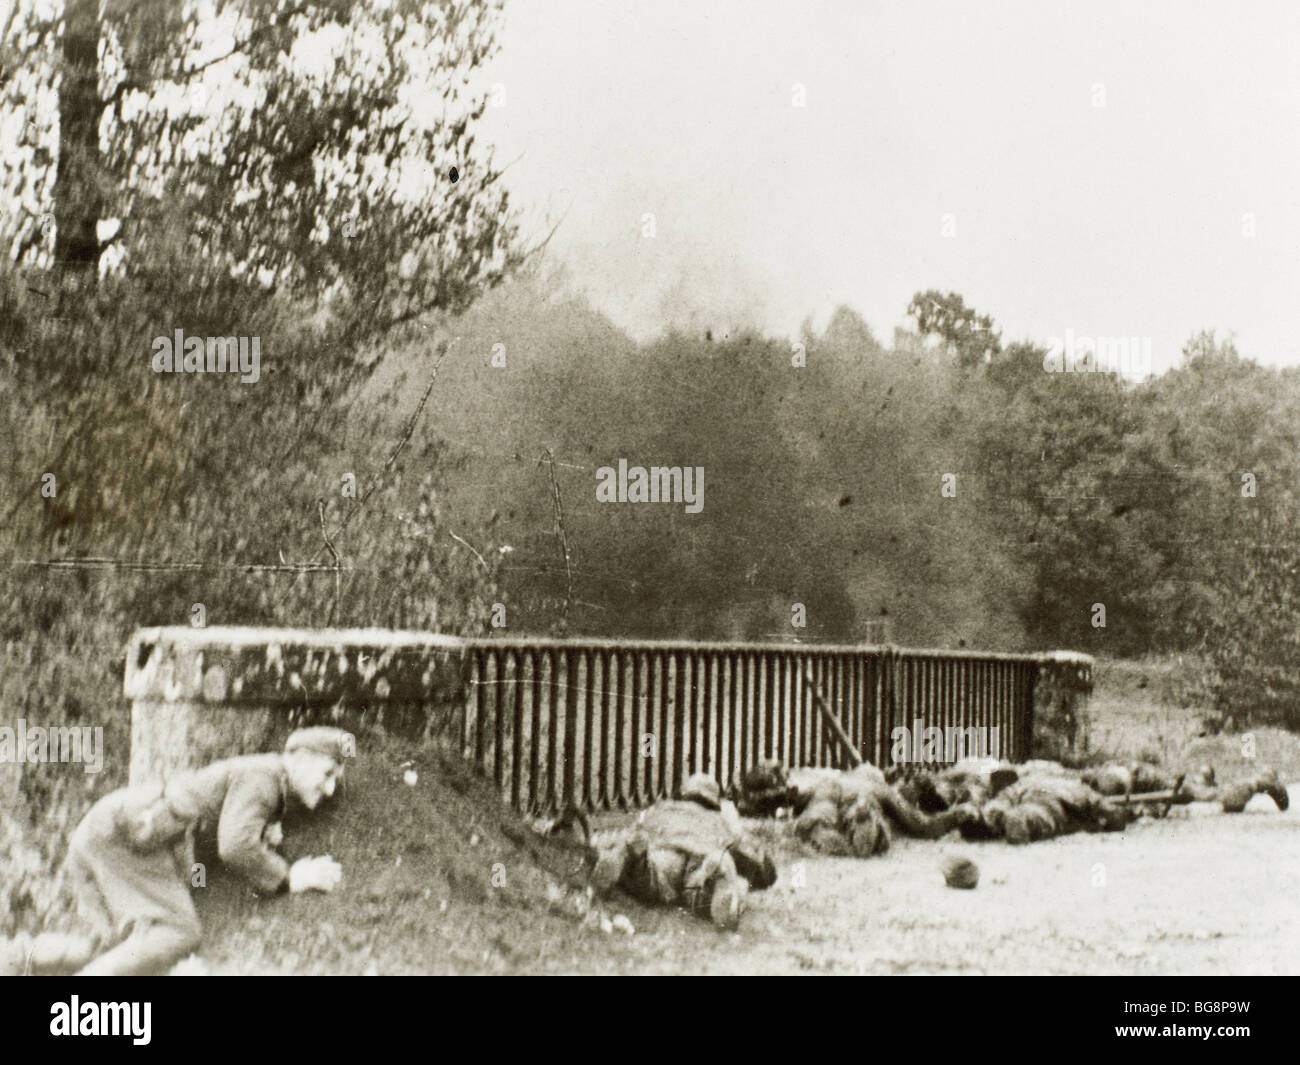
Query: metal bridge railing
x=598, y=724
x=610, y=724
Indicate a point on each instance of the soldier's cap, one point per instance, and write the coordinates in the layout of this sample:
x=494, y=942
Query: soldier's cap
x=320, y=739
x=703, y=789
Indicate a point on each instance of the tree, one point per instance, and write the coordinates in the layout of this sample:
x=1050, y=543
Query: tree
x=76, y=187
x=970, y=335
x=1222, y=433
x=1071, y=498
x=1253, y=637
x=317, y=208
x=248, y=169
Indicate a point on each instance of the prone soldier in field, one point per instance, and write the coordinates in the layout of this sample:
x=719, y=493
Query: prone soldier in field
x=853, y=813
x=1040, y=800
x=1116, y=779
x=130, y=859
x=846, y=813
x=692, y=852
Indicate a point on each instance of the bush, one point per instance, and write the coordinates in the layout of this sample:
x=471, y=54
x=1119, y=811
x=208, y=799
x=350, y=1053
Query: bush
x=1253, y=666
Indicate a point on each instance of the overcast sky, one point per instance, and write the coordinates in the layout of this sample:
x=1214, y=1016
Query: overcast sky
x=1130, y=218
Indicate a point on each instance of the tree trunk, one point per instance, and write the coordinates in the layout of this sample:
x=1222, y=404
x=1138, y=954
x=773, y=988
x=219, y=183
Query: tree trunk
x=77, y=199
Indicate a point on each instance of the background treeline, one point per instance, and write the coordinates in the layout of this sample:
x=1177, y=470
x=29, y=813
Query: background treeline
x=824, y=483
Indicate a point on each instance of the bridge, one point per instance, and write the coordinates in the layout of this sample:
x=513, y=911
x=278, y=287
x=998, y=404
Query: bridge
x=599, y=724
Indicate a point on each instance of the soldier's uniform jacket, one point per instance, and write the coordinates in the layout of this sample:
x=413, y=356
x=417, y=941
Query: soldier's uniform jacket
x=234, y=799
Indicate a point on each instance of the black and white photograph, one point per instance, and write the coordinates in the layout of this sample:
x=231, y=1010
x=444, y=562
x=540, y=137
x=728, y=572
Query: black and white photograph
x=657, y=488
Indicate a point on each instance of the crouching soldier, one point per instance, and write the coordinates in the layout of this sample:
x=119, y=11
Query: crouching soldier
x=691, y=852
x=130, y=859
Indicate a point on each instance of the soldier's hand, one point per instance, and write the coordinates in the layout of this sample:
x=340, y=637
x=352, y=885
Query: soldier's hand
x=315, y=874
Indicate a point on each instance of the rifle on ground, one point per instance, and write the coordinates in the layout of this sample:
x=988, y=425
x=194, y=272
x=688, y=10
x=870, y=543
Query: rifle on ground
x=1157, y=802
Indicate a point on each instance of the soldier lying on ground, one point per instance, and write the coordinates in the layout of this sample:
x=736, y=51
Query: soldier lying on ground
x=1200, y=786
x=969, y=781
x=844, y=813
x=692, y=852
x=1045, y=800
x=1139, y=777
x=130, y=860
x=1039, y=800
x=851, y=813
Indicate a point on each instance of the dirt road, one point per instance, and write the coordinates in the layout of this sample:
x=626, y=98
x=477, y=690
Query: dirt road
x=444, y=888
x=1200, y=892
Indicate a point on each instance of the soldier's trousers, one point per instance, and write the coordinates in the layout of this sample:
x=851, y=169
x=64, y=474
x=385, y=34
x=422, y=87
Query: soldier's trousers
x=137, y=902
